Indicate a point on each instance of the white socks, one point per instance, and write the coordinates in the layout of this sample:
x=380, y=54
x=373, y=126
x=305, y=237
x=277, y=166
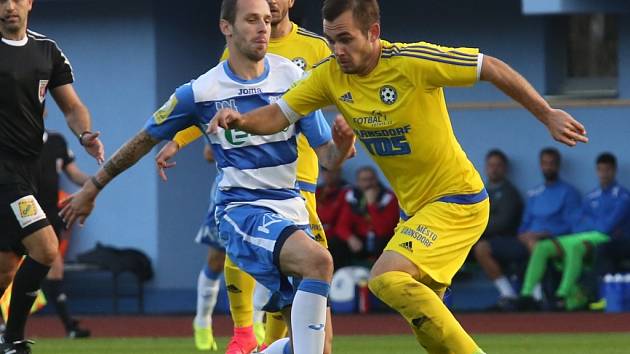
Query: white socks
x=504, y=287
x=207, y=293
x=308, y=317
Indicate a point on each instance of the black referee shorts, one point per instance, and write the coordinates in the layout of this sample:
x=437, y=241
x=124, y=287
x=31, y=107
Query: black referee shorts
x=20, y=213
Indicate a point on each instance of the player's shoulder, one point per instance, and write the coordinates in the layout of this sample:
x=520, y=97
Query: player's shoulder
x=280, y=66
x=208, y=85
x=311, y=37
x=414, y=51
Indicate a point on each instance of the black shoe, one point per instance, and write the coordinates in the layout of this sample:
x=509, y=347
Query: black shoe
x=528, y=304
x=504, y=304
x=77, y=332
x=16, y=347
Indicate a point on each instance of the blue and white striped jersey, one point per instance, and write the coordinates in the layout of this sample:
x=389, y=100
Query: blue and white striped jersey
x=254, y=170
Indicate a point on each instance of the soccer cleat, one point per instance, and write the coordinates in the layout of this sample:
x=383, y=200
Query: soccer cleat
x=598, y=306
x=204, y=339
x=259, y=332
x=242, y=345
x=75, y=331
x=16, y=347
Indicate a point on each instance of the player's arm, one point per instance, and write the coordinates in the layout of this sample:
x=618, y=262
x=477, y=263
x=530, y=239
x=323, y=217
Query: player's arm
x=332, y=148
x=74, y=173
x=562, y=126
x=261, y=121
x=78, y=119
x=307, y=95
x=175, y=115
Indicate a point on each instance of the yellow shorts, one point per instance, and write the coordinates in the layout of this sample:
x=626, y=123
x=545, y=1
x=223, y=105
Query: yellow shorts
x=315, y=224
x=439, y=237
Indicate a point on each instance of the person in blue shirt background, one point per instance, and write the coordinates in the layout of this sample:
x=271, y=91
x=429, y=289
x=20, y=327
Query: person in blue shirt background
x=604, y=214
x=551, y=207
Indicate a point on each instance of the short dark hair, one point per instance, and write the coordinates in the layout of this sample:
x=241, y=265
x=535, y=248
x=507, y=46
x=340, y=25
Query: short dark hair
x=364, y=12
x=551, y=152
x=497, y=153
x=228, y=10
x=607, y=158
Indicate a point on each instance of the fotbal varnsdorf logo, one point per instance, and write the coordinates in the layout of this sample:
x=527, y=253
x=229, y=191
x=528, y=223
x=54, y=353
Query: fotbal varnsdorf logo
x=388, y=94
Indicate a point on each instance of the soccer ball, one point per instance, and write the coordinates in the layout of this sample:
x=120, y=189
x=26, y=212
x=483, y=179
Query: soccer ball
x=388, y=94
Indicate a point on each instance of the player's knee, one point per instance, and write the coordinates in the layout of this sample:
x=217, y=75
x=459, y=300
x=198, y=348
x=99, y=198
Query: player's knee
x=45, y=255
x=216, y=263
x=319, y=265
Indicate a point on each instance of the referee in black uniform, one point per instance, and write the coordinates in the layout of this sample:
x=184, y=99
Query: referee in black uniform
x=30, y=65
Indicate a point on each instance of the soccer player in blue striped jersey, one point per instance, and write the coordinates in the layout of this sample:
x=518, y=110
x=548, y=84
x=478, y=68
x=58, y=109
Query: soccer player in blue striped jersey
x=392, y=95
x=261, y=215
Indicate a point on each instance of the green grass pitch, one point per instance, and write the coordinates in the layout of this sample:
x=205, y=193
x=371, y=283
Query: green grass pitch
x=610, y=343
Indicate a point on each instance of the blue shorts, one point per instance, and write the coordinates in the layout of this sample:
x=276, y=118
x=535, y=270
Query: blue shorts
x=254, y=236
x=209, y=233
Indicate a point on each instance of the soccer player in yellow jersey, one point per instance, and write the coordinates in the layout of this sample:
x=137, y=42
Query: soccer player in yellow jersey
x=391, y=95
x=305, y=49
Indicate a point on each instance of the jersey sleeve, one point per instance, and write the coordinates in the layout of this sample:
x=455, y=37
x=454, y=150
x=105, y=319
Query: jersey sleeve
x=187, y=136
x=178, y=113
x=61, y=69
x=436, y=66
x=315, y=129
x=308, y=94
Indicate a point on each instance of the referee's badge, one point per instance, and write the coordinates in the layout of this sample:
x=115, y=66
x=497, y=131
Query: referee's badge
x=43, y=84
x=388, y=94
x=27, y=211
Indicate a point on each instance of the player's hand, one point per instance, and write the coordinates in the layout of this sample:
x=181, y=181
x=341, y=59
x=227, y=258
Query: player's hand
x=225, y=118
x=77, y=207
x=343, y=136
x=94, y=146
x=564, y=128
x=161, y=160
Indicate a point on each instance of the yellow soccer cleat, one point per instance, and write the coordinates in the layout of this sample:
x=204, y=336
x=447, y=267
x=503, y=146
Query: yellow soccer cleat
x=259, y=332
x=204, y=339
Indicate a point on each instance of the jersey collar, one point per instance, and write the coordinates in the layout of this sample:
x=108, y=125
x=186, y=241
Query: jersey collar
x=234, y=77
x=21, y=43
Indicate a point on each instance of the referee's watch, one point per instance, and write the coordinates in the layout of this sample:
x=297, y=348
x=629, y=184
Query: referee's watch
x=80, y=137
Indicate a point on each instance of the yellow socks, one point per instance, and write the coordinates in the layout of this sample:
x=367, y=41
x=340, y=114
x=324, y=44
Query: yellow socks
x=240, y=289
x=275, y=328
x=435, y=327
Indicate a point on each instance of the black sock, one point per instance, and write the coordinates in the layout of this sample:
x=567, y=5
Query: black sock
x=25, y=285
x=53, y=289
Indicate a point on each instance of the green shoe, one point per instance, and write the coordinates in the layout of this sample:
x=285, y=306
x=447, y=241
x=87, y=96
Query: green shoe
x=259, y=332
x=204, y=339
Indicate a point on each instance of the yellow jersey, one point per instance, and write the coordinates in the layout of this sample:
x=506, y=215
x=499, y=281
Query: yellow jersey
x=399, y=114
x=305, y=49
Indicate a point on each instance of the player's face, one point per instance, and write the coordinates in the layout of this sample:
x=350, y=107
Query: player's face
x=13, y=15
x=279, y=10
x=495, y=169
x=550, y=167
x=606, y=174
x=352, y=46
x=251, y=29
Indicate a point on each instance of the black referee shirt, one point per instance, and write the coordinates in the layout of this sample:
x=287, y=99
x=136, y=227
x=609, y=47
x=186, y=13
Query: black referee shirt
x=27, y=71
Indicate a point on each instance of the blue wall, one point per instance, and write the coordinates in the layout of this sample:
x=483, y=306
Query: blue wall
x=129, y=59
